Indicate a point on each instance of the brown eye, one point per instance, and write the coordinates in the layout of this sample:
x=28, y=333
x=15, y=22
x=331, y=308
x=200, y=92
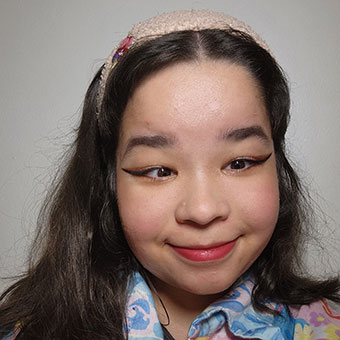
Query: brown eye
x=239, y=164
x=159, y=173
x=164, y=172
x=245, y=163
x=156, y=172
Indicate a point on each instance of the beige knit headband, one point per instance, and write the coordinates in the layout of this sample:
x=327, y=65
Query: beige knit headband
x=171, y=22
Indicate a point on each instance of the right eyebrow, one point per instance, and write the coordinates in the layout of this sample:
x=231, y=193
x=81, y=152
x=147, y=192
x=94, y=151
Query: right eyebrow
x=155, y=141
x=246, y=132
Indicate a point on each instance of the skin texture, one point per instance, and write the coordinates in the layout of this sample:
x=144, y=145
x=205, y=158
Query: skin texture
x=202, y=196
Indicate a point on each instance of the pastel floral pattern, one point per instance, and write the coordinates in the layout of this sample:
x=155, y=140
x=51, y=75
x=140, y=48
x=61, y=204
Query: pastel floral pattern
x=333, y=332
x=234, y=318
x=142, y=320
x=231, y=318
x=318, y=319
x=303, y=332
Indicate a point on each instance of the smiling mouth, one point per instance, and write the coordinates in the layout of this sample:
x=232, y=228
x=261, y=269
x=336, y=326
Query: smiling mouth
x=205, y=253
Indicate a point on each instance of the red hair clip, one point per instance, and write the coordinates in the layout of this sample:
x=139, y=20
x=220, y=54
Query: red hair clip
x=121, y=50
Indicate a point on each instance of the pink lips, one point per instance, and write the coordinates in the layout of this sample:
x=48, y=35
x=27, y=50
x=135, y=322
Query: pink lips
x=209, y=253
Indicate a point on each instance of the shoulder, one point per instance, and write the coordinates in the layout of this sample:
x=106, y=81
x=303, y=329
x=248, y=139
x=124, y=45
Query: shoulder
x=318, y=320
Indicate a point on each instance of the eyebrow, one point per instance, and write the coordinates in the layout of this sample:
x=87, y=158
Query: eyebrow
x=159, y=141
x=237, y=135
x=156, y=141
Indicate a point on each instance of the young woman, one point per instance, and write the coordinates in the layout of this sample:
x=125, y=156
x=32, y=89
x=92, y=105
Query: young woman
x=179, y=215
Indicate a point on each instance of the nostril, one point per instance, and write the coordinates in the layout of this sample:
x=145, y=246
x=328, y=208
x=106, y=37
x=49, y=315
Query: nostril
x=199, y=215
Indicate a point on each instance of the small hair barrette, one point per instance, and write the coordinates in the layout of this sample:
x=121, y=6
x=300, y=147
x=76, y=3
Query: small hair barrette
x=109, y=65
x=121, y=50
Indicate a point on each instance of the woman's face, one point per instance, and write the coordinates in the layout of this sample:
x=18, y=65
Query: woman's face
x=196, y=177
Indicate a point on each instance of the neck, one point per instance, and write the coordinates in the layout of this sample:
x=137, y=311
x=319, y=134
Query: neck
x=182, y=307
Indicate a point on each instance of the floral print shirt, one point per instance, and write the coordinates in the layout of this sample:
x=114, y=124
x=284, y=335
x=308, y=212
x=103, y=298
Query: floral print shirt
x=233, y=317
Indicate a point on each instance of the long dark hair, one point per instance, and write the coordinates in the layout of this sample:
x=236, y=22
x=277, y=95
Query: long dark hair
x=77, y=286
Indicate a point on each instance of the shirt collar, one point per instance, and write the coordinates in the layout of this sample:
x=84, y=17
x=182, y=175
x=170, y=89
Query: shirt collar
x=235, y=309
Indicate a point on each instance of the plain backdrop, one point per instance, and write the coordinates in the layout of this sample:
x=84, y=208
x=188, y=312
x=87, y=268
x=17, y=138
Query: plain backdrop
x=50, y=49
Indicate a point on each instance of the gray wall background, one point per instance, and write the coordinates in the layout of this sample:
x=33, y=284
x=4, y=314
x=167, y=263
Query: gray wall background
x=51, y=49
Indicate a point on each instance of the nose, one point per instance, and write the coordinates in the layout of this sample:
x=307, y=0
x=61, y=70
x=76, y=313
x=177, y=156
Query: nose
x=202, y=201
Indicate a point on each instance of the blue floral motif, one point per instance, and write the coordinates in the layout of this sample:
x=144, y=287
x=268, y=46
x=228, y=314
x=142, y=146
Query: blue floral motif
x=237, y=311
x=232, y=305
x=238, y=326
x=234, y=295
x=244, y=287
x=285, y=322
x=301, y=322
x=142, y=320
x=139, y=320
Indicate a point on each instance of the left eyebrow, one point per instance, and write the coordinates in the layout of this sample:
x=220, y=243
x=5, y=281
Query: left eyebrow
x=236, y=135
x=155, y=141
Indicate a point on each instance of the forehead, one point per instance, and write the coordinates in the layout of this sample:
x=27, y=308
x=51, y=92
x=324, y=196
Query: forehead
x=206, y=96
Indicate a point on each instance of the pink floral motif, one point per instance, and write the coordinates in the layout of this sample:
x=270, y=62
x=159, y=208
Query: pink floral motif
x=318, y=319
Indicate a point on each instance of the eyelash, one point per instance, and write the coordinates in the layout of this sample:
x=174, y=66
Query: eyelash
x=146, y=172
x=251, y=162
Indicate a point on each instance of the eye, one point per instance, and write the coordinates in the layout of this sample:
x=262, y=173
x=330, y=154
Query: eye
x=158, y=172
x=241, y=164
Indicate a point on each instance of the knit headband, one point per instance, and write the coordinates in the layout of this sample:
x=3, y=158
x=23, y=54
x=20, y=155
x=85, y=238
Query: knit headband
x=157, y=26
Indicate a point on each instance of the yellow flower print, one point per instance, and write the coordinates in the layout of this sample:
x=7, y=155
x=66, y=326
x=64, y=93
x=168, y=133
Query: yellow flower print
x=333, y=332
x=303, y=332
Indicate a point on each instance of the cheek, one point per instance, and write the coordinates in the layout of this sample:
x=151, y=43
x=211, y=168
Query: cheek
x=142, y=216
x=262, y=204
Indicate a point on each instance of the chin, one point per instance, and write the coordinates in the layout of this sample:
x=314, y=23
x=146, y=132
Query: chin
x=207, y=287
